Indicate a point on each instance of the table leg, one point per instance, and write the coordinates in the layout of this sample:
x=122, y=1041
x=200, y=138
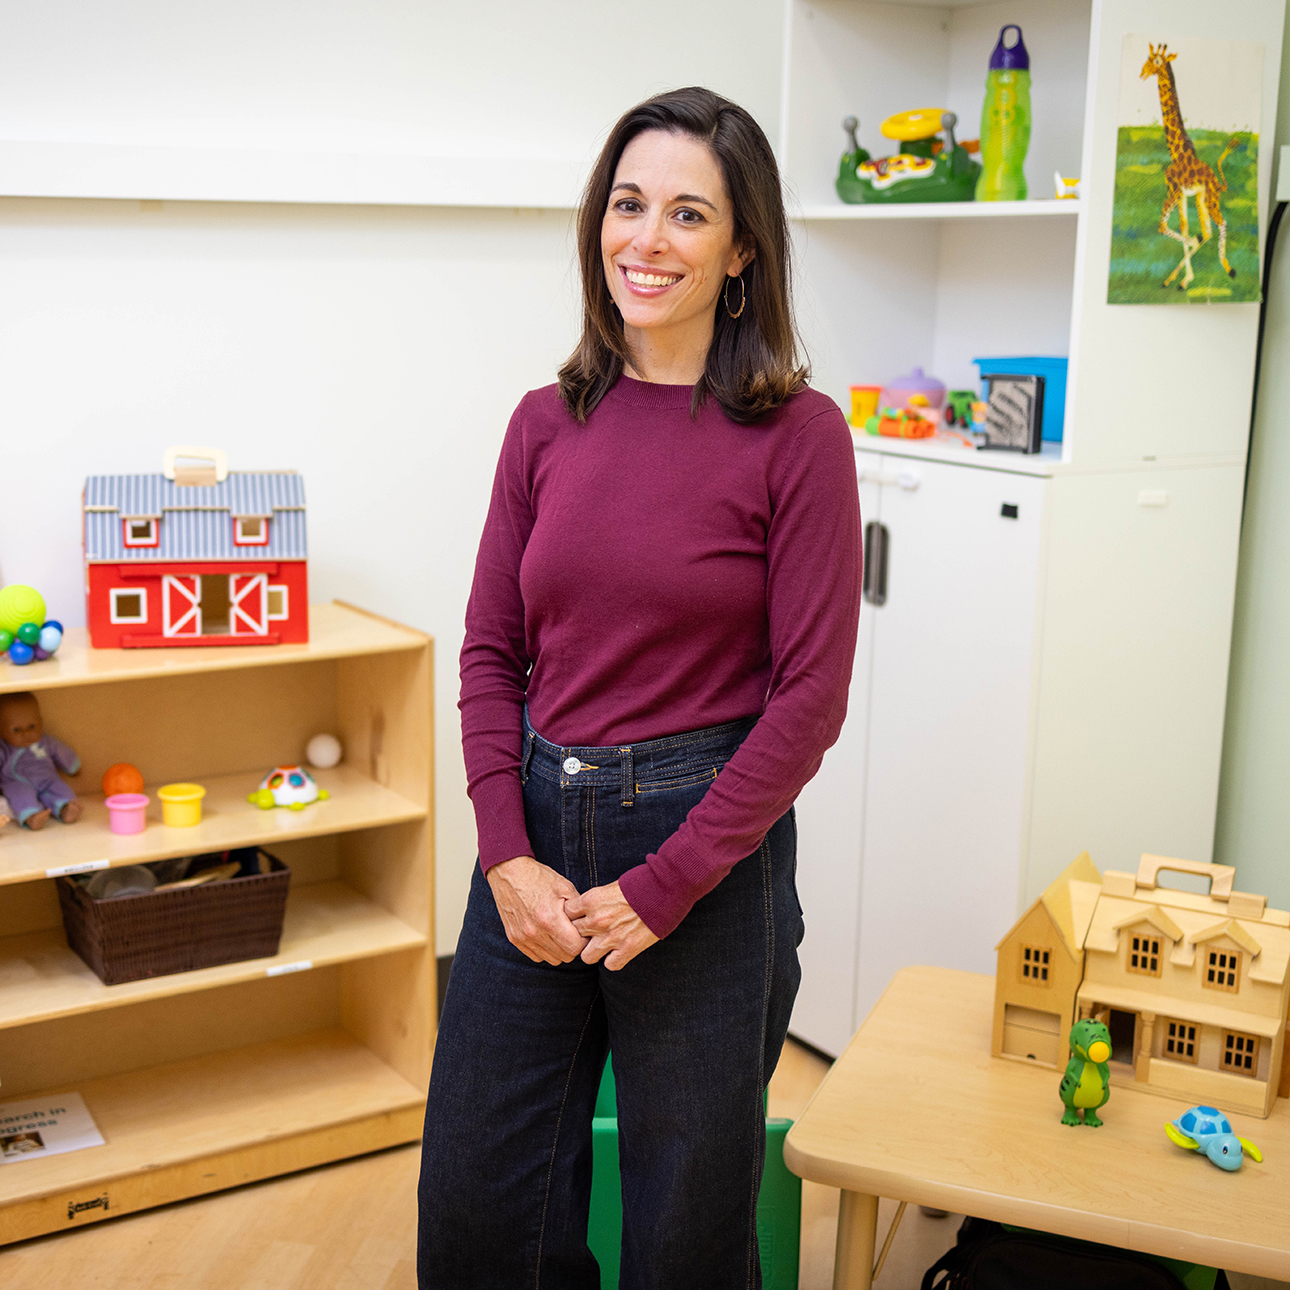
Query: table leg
x=857, y=1232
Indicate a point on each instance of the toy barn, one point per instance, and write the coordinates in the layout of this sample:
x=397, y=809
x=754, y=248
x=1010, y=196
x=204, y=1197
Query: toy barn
x=195, y=556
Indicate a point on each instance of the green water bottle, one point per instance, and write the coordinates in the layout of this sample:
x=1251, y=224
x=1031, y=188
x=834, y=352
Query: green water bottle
x=1005, y=122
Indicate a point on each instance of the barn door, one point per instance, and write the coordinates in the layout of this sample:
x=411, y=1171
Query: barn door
x=181, y=613
x=248, y=603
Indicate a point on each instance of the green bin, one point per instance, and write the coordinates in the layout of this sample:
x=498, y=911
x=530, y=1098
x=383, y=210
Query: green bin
x=779, y=1205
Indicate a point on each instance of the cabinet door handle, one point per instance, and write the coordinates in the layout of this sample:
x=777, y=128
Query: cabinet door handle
x=877, y=540
x=906, y=479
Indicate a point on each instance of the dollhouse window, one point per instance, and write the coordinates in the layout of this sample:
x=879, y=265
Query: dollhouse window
x=1223, y=971
x=1144, y=955
x=1034, y=964
x=129, y=605
x=140, y=532
x=1180, y=1041
x=1240, y=1053
x=277, y=603
x=251, y=530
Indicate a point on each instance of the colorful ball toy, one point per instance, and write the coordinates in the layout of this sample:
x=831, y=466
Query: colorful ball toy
x=25, y=634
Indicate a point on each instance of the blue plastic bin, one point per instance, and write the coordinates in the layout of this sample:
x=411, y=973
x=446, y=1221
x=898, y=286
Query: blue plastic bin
x=1053, y=370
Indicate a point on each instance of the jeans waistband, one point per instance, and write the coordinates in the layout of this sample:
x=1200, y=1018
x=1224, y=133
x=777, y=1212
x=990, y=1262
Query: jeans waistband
x=579, y=766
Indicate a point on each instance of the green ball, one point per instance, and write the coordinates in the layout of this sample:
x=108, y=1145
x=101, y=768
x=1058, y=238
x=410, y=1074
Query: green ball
x=20, y=604
x=29, y=634
x=6, y=639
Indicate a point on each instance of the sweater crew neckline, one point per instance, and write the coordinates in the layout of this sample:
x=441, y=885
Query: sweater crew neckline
x=648, y=394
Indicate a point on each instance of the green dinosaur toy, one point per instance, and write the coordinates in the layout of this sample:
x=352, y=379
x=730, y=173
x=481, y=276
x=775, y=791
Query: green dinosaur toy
x=1087, y=1082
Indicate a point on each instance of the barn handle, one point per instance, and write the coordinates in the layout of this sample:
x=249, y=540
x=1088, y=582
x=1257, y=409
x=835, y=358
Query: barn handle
x=215, y=455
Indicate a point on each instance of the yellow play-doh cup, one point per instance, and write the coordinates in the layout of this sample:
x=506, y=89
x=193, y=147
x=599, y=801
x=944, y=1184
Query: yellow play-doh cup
x=181, y=804
x=864, y=403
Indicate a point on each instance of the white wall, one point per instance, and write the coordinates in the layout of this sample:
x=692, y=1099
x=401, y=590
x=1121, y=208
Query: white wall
x=1253, y=829
x=379, y=350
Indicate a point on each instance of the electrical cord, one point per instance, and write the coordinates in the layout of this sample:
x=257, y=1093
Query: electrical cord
x=1273, y=225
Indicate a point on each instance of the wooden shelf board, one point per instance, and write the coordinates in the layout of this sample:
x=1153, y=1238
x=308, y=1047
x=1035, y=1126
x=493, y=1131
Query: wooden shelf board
x=40, y=978
x=335, y=631
x=228, y=820
x=1048, y=207
x=195, y=1126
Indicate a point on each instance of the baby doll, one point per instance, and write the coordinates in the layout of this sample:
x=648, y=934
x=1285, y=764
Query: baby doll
x=29, y=764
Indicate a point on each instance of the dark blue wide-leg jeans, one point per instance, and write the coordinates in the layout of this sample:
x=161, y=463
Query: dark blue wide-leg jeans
x=696, y=1024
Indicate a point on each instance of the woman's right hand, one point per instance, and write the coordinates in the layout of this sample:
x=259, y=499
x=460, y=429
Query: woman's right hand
x=530, y=898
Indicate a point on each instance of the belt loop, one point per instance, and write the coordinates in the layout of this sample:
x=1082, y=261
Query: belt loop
x=629, y=777
x=526, y=758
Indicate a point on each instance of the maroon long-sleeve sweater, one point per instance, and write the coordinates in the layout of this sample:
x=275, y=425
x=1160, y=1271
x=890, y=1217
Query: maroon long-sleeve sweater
x=651, y=573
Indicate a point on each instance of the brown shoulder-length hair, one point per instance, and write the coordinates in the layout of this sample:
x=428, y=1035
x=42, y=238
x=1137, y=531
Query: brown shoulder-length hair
x=753, y=365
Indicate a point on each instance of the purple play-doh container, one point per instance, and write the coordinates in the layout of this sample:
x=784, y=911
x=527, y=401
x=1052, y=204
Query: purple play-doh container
x=126, y=812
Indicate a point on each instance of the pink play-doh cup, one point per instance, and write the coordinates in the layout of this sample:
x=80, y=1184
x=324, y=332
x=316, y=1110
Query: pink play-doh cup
x=126, y=812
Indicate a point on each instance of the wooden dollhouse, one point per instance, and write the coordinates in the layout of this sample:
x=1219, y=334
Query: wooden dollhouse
x=195, y=556
x=1193, y=987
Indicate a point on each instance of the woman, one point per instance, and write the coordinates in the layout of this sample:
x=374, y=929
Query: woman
x=658, y=645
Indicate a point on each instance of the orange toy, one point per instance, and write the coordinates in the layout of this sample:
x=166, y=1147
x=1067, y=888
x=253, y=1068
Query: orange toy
x=122, y=778
x=905, y=425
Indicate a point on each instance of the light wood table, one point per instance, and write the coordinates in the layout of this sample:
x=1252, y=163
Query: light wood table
x=916, y=1109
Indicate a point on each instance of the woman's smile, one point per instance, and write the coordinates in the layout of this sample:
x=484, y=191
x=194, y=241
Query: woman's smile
x=648, y=282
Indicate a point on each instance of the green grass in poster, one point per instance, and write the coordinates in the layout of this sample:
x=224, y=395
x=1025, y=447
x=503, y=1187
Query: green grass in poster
x=1142, y=257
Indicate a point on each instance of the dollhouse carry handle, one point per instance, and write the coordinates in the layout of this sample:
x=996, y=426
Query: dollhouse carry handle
x=215, y=455
x=1220, y=875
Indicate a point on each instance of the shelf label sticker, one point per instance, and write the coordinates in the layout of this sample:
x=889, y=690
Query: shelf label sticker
x=282, y=969
x=66, y=870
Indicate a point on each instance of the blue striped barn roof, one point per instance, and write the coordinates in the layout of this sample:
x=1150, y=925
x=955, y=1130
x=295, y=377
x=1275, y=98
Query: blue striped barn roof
x=196, y=523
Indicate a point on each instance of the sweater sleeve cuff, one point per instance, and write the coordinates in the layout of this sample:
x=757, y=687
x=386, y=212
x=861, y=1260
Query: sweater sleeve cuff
x=499, y=819
x=660, y=901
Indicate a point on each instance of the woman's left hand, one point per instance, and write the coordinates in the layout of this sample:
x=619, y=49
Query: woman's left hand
x=613, y=928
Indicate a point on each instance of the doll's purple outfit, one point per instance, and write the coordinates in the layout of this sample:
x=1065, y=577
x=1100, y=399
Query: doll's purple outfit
x=29, y=776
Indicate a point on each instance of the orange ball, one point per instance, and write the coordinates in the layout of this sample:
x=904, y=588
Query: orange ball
x=122, y=778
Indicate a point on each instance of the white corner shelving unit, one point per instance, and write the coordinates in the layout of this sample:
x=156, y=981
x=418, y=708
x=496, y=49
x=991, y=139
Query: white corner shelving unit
x=1036, y=685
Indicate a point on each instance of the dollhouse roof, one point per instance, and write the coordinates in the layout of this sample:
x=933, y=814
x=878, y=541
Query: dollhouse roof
x=1198, y=919
x=195, y=520
x=1069, y=900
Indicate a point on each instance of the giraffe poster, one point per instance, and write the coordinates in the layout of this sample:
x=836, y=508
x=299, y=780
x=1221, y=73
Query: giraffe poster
x=1185, y=227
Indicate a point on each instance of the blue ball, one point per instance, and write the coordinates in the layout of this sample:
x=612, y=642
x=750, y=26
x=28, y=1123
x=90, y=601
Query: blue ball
x=50, y=638
x=20, y=653
x=53, y=622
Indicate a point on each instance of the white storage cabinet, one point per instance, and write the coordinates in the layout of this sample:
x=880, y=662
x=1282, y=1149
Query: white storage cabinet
x=1037, y=685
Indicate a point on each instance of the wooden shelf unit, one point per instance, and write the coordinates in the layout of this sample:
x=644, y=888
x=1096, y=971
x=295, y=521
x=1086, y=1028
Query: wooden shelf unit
x=209, y=1079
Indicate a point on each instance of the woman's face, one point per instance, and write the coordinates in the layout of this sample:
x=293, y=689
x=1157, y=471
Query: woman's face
x=667, y=240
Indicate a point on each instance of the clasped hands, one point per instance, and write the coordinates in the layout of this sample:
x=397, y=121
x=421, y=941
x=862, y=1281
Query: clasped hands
x=549, y=921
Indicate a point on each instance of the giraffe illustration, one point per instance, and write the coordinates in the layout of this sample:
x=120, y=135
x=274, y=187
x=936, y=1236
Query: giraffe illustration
x=1187, y=175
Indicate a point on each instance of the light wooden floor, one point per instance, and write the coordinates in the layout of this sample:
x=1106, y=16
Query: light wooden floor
x=352, y=1226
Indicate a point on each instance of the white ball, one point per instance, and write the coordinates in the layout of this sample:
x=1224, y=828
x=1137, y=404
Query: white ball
x=323, y=751
x=50, y=639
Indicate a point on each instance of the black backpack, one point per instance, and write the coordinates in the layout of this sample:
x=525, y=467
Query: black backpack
x=989, y=1256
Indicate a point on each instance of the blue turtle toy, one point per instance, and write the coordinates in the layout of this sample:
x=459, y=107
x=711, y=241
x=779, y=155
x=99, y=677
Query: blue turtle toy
x=1208, y=1130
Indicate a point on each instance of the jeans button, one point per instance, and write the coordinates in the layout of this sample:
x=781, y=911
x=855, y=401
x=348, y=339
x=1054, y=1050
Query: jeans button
x=572, y=765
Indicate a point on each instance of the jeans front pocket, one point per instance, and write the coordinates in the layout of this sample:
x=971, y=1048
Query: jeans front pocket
x=666, y=784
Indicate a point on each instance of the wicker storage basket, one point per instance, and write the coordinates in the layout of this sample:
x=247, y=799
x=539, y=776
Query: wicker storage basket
x=132, y=937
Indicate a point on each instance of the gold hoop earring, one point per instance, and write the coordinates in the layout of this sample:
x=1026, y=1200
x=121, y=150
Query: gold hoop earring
x=743, y=296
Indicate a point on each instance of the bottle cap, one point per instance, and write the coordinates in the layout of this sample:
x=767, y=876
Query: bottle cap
x=1014, y=58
